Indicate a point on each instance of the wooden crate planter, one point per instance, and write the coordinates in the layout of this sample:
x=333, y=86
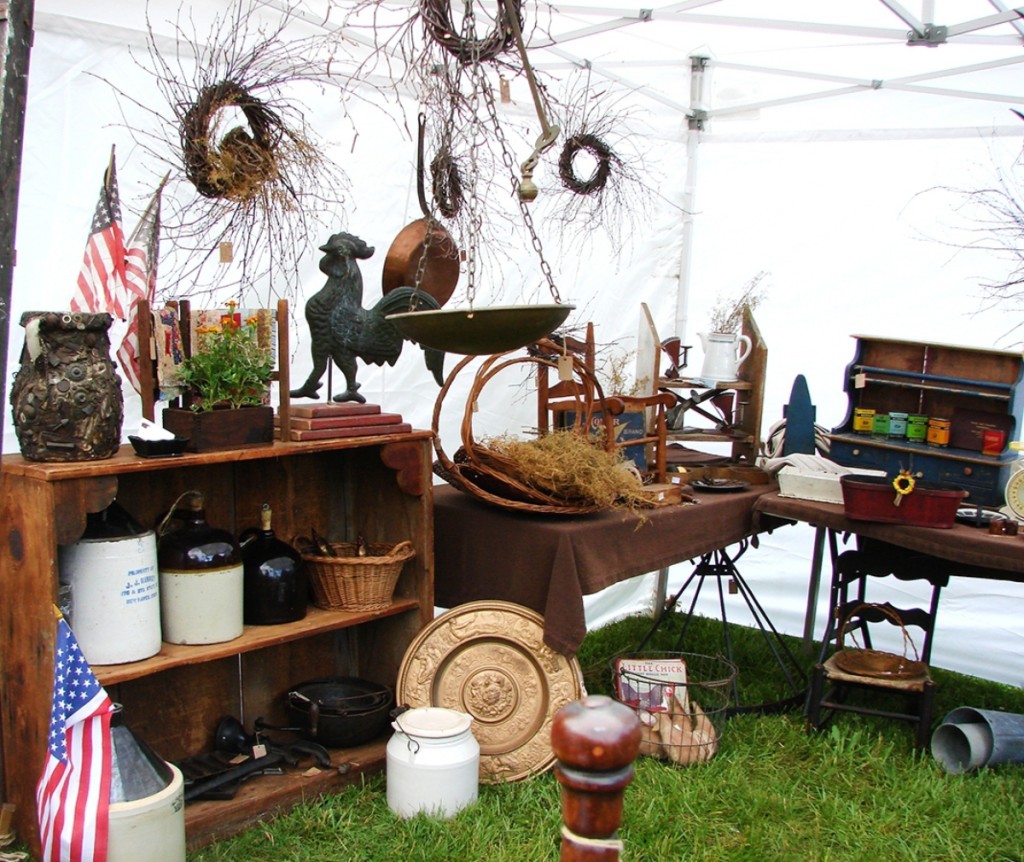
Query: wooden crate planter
x=232, y=428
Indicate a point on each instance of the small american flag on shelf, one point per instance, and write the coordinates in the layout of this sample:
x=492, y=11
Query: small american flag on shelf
x=73, y=795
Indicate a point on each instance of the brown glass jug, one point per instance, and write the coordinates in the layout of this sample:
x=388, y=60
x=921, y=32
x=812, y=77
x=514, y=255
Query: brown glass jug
x=276, y=586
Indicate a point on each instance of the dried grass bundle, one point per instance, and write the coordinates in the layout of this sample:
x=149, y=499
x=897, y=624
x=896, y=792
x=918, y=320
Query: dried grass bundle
x=569, y=466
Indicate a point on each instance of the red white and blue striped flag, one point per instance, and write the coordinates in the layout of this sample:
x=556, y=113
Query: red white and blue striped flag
x=141, y=254
x=73, y=795
x=101, y=284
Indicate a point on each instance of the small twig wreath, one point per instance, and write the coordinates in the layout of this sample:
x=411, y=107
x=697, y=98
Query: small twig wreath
x=437, y=20
x=446, y=183
x=601, y=152
x=239, y=164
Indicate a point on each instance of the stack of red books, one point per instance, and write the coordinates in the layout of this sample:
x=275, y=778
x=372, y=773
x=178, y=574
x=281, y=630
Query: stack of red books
x=329, y=421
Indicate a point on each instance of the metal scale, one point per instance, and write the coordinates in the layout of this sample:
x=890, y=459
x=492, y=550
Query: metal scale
x=478, y=331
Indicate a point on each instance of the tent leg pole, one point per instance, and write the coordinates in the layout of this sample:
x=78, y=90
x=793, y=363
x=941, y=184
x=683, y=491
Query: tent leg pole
x=696, y=118
x=659, y=594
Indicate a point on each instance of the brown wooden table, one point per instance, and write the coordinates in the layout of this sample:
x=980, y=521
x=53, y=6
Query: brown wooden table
x=549, y=562
x=961, y=551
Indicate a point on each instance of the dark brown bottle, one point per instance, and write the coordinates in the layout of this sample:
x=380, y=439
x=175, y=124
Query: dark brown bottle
x=276, y=587
x=201, y=578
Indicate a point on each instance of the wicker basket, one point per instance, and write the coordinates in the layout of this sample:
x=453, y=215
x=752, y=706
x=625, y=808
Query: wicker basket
x=352, y=583
x=681, y=722
x=489, y=475
x=879, y=664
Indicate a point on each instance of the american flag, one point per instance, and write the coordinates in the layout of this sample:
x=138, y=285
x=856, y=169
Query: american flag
x=101, y=284
x=73, y=795
x=141, y=255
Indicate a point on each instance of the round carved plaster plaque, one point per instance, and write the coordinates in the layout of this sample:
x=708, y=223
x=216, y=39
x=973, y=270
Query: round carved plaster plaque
x=489, y=659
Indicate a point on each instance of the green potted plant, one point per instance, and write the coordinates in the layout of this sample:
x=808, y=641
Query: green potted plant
x=226, y=382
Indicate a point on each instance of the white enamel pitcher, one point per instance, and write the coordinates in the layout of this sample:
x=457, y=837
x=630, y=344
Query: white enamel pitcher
x=724, y=352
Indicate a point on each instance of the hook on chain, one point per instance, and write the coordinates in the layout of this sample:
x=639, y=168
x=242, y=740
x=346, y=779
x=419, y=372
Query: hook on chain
x=549, y=132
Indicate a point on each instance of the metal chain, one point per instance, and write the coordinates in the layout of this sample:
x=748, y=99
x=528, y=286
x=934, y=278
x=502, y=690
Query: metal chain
x=428, y=236
x=506, y=157
x=421, y=265
x=474, y=216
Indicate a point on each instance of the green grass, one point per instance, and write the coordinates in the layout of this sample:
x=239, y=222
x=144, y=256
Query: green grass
x=855, y=791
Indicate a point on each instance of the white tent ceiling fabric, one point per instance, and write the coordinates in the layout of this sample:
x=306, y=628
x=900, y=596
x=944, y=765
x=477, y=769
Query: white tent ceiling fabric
x=826, y=142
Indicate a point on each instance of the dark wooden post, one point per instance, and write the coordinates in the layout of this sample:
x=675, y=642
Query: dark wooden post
x=596, y=740
x=16, y=22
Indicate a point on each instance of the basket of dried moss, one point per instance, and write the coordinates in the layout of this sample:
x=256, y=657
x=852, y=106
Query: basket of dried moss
x=565, y=472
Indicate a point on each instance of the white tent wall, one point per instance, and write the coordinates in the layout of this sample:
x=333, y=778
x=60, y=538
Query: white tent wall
x=829, y=198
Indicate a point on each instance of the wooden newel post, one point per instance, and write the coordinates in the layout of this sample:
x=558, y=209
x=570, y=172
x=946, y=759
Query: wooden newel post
x=595, y=740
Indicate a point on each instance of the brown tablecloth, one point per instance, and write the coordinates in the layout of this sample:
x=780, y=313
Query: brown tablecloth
x=972, y=550
x=549, y=562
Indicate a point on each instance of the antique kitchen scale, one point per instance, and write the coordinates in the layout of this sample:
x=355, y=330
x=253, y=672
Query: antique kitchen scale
x=494, y=329
x=1012, y=510
x=1013, y=491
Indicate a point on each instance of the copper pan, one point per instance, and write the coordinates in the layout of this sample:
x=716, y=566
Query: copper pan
x=423, y=236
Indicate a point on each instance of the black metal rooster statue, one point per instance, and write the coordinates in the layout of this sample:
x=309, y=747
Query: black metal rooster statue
x=342, y=330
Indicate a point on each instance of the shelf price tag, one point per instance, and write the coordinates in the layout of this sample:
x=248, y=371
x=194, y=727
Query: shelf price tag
x=860, y=380
x=564, y=367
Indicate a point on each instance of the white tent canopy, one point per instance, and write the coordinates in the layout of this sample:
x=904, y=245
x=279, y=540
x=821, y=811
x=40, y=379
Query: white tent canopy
x=812, y=152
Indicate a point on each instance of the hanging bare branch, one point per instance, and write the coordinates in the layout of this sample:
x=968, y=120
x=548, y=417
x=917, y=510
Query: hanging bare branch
x=248, y=173
x=601, y=170
x=991, y=222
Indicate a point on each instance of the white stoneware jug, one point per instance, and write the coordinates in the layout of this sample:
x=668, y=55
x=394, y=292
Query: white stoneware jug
x=724, y=352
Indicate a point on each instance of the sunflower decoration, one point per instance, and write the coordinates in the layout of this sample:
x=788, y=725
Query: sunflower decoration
x=903, y=484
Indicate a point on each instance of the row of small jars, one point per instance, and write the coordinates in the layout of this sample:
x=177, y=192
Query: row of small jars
x=914, y=427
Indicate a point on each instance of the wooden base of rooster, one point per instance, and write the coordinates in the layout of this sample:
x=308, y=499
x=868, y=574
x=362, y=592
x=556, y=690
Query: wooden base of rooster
x=342, y=331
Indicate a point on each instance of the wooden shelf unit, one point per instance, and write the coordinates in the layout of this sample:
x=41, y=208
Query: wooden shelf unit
x=378, y=487
x=745, y=435
x=933, y=380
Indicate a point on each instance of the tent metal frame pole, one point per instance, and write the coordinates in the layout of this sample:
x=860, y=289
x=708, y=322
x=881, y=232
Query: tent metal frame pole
x=696, y=120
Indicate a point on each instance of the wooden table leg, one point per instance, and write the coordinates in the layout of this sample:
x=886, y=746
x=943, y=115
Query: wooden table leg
x=814, y=582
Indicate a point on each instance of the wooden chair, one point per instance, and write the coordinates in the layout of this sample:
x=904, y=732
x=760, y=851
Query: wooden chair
x=653, y=408
x=561, y=398
x=867, y=681
x=563, y=395
x=147, y=359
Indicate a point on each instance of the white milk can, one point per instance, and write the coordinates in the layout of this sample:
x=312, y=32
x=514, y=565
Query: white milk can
x=724, y=352
x=433, y=762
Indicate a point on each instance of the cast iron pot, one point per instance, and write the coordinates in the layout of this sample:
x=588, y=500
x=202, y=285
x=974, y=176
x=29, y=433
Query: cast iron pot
x=340, y=712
